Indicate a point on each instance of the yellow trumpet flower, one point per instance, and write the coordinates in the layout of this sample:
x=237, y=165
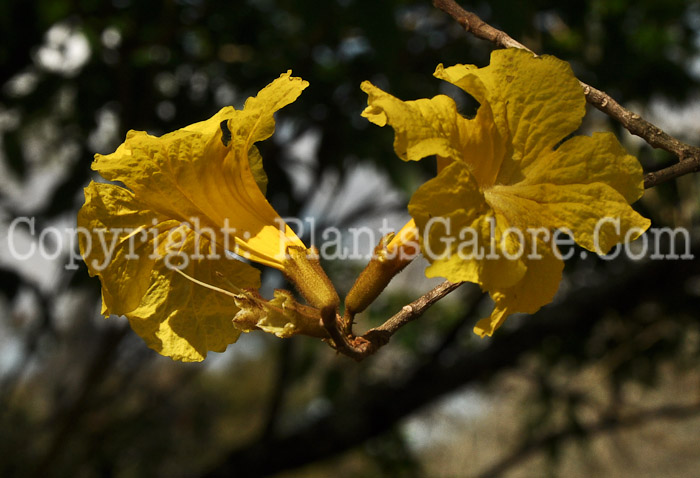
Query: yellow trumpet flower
x=509, y=178
x=192, y=197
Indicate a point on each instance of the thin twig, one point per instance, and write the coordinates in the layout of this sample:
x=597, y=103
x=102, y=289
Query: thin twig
x=377, y=337
x=363, y=346
x=688, y=155
x=416, y=308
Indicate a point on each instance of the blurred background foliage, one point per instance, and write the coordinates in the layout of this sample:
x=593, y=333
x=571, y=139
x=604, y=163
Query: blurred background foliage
x=603, y=381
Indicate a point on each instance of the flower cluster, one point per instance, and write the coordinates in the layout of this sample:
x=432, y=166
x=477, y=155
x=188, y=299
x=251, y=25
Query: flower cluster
x=513, y=167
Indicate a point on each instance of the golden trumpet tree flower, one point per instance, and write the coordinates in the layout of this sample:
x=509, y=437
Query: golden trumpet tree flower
x=190, y=198
x=510, y=177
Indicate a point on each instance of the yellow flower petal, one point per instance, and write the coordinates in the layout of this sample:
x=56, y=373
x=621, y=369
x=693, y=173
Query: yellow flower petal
x=536, y=102
x=208, y=171
x=423, y=127
x=462, y=237
x=595, y=214
x=256, y=168
x=584, y=186
x=134, y=251
x=535, y=289
x=434, y=127
x=589, y=159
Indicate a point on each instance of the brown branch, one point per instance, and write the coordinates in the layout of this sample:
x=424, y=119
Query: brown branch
x=363, y=346
x=688, y=155
x=415, y=309
x=690, y=165
x=341, y=341
x=377, y=337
